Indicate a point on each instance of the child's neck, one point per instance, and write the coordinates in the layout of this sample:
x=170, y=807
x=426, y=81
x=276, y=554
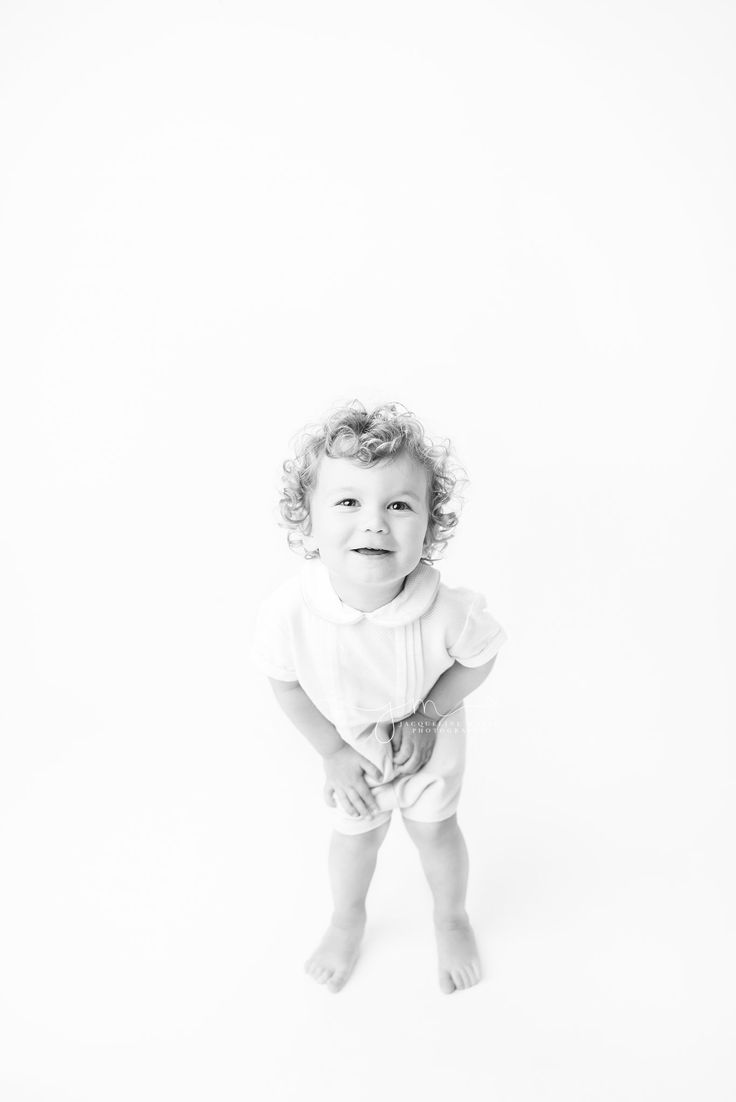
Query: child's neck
x=365, y=599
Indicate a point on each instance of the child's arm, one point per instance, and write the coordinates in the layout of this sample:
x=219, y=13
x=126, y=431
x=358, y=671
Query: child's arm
x=305, y=715
x=345, y=768
x=452, y=686
x=415, y=735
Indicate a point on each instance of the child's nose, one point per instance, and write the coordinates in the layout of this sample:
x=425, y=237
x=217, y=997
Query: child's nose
x=374, y=521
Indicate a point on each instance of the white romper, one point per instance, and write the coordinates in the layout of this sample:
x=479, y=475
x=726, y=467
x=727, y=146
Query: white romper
x=366, y=670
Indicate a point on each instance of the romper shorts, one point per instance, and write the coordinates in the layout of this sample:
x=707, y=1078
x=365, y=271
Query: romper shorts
x=428, y=796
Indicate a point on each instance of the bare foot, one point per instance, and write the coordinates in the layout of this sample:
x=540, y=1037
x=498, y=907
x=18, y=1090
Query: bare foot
x=457, y=954
x=334, y=958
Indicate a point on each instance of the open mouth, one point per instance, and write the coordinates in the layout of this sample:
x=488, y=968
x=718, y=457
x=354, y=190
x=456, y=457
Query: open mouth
x=370, y=551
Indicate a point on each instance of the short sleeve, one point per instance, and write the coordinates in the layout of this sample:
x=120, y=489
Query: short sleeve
x=271, y=649
x=481, y=636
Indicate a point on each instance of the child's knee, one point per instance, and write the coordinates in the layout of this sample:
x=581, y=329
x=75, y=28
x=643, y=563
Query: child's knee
x=429, y=834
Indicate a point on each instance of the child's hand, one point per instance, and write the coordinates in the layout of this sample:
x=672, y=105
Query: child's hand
x=413, y=742
x=345, y=783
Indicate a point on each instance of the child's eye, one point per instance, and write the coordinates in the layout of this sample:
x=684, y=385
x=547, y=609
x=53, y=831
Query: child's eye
x=349, y=499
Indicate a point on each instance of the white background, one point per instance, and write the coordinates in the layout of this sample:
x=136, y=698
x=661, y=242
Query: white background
x=218, y=221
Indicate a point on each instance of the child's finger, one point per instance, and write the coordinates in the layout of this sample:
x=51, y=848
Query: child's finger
x=368, y=797
x=412, y=764
x=329, y=795
x=403, y=754
x=371, y=770
x=344, y=803
x=355, y=799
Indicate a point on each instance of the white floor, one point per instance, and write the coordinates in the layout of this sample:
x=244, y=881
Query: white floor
x=153, y=934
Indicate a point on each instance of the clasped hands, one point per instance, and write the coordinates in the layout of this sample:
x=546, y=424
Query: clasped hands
x=346, y=769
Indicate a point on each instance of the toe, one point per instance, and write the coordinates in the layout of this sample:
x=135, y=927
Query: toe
x=446, y=983
x=337, y=982
x=458, y=979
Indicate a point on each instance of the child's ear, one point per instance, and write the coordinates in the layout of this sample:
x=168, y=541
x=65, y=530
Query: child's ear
x=310, y=543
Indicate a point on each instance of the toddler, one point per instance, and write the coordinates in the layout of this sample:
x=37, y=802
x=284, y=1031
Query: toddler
x=371, y=657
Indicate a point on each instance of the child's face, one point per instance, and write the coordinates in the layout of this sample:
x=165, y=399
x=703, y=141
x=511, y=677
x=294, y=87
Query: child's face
x=383, y=506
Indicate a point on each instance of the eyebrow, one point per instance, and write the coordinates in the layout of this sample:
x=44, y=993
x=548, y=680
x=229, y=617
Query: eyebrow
x=352, y=490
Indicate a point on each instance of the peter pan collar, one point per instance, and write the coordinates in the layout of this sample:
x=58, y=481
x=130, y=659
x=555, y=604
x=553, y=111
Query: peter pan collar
x=417, y=596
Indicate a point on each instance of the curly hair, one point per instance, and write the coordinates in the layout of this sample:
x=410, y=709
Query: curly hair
x=351, y=432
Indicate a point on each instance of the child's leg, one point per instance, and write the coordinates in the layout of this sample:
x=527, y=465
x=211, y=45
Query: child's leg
x=352, y=862
x=444, y=857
